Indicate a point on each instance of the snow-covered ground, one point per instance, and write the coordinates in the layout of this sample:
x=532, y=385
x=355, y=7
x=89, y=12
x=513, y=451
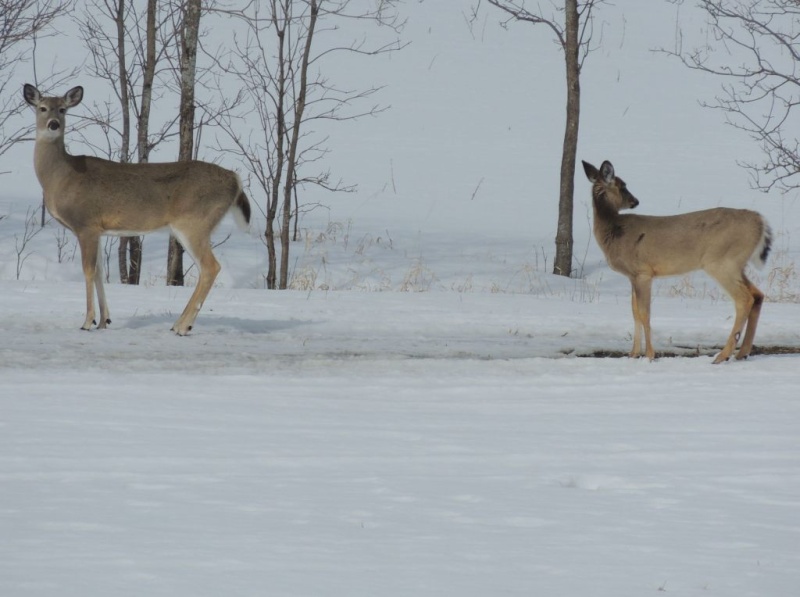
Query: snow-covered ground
x=418, y=416
x=356, y=443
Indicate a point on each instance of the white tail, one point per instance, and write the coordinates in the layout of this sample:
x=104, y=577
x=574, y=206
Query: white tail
x=718, y=241
x=95, y=197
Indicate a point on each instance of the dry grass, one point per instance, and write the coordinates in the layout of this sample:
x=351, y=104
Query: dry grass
x=335, y=259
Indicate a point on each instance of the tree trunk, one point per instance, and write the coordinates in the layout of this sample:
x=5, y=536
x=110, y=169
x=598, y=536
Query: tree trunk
x=291, y=160
x=280, y=22
x=296, y=227
x=129, y=255
x=130, y=247
x=272, y=256
x=190, y=32
x=124, y=152
x=564, y=241
x=142, y=144
x=148, y=75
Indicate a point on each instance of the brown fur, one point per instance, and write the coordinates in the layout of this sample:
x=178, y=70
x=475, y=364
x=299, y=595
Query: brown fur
x=94, y=197
x=719, y=241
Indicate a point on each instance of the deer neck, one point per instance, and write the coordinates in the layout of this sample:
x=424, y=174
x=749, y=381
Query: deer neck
x=607, y=220
x=50, y=158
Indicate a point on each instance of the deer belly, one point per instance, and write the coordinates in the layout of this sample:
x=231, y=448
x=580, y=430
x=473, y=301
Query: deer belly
x=121, y=232
x=132, y=224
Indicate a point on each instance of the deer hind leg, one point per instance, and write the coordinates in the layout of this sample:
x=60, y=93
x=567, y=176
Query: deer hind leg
x=198, y=246
x=641, y=313
x=90, y=245
x=752, y=319
x=738, y=288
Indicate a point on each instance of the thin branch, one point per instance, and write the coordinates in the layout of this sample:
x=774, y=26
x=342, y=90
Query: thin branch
x=755, y=53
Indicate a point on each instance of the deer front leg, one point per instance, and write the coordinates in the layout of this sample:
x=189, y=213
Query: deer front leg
x=642, y=285
x=90, y=244
x=101, y=293
x=636, y=351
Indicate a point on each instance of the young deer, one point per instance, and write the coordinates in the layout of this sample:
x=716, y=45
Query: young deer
x=94, y=197
x=718, y=241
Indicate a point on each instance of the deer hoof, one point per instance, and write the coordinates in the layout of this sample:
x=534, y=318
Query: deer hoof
x=180, y=332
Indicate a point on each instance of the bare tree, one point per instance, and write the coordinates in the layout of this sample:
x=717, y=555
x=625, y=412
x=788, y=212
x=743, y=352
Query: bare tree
x=190, y=32
x=280, y=66
x=129, y=255
x=753, y=47
x=572, y=27
x=123, y=46
x=21, y=22
x=143, y=145
x=130, y=247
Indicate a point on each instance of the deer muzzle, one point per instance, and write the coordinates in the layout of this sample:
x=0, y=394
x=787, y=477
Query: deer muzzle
x=53, y=125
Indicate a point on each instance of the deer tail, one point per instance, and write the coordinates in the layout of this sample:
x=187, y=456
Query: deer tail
x=241, y=207
x=761, y=252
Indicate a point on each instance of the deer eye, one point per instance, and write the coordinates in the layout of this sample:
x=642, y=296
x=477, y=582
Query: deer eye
x=42, y=109
x=62, y=110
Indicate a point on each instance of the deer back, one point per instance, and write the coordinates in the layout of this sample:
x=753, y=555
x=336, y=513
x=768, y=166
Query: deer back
x=110, y=196
x=672, y=245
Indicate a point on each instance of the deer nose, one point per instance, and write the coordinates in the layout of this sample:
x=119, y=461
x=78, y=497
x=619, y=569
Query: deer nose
x=53, y=125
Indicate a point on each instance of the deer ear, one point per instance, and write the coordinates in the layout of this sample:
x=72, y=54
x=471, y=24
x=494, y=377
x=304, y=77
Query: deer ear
x=591, y=171
x=31, y=94
x=74, y=96
x=607, y=171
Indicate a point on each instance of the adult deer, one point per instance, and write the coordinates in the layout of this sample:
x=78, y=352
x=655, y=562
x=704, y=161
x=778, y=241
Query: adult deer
x=94, y=197
x=719, y=241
